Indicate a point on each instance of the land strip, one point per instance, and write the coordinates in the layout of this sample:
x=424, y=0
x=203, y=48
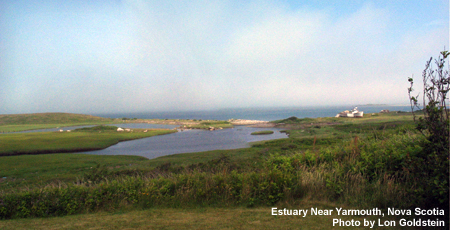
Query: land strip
x=190, y=218
x=80, y=140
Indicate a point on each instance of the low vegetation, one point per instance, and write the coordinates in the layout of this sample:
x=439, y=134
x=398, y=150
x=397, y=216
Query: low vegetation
x=210, y=124
x=186, y=218
x=48, y=118
x=21, y=122
x=264, y=132
x=84, y=139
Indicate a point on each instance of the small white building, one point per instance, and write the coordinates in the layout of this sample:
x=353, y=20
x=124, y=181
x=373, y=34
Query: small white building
x=353, y=113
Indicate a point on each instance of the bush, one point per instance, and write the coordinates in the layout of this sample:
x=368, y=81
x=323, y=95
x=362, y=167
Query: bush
x=431, y=166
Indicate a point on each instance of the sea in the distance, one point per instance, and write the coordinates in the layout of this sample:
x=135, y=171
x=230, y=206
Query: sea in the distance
x=264, y=114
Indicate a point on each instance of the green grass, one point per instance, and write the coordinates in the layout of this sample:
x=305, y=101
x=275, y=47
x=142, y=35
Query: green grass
x=22, y=122
x=28, y=171
x=78, y=140
x=191, y=218
x=208, y=124
x=265, y=132
x=19, y=128
x=48, y=118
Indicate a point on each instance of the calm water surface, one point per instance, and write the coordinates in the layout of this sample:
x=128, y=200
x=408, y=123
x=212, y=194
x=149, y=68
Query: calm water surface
x=190, y=141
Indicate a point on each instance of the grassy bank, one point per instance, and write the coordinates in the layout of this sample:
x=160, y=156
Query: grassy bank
x=48, y=118
x=209, y=125
x=265, y=132
x=22, y=122
x=78, y=140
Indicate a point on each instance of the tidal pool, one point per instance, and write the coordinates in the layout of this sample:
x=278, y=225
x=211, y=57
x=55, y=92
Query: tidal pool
x=190, y=141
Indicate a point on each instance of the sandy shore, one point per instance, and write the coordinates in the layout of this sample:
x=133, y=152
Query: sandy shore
x=247, y=122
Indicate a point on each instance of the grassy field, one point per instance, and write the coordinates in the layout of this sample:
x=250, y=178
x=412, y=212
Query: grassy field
x=23, y=172
x=327, y=162
x=191, y=218
x=48, y=118
x=78, y=140
x=21, y=122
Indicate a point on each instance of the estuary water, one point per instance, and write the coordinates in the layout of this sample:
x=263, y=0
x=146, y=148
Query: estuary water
x=190, y=141
x=181, y=142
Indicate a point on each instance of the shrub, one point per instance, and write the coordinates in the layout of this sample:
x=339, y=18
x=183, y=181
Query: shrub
x=432, y=164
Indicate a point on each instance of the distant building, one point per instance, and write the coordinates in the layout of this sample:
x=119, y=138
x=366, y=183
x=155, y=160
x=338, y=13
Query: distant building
x=353, y=113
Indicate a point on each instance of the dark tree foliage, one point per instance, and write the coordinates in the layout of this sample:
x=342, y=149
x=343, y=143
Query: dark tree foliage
x=431, y=167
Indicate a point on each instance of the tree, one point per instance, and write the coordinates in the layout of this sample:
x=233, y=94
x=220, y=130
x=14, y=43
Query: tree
x=432, y=165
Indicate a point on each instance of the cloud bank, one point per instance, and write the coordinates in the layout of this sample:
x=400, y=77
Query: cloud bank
x=196, y=55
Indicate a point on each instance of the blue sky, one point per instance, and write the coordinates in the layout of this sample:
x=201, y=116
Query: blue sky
x=117, y=56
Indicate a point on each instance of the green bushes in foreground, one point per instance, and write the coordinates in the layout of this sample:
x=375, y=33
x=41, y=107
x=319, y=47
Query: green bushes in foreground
x=174, y=191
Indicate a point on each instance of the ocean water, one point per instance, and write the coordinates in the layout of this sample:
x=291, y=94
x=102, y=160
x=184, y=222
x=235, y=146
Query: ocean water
x=264, y=114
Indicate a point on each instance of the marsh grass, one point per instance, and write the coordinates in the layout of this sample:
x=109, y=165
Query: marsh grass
x=21, y=122
x=49, y=118
x=210, y=123
x=59, y=142
x=264, y=132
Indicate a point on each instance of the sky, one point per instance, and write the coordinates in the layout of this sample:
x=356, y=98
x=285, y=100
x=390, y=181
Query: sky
x=131, y=56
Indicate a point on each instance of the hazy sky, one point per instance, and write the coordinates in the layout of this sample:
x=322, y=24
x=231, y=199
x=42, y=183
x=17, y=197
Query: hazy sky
x=122, y=56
